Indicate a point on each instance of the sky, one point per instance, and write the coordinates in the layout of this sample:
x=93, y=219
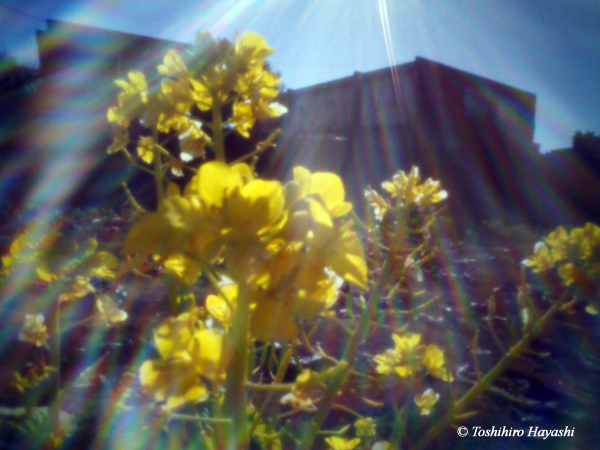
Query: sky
x=548, y=47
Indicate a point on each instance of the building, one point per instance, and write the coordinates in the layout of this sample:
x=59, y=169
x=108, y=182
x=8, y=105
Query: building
x=70, y=133
x=474, y=134
x=17, y=86
x=574, y=176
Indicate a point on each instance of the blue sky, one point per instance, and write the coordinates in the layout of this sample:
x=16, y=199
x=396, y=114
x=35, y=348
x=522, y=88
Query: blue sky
x=548, y=47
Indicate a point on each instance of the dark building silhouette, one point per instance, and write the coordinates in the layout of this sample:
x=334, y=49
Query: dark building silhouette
x=573, y=175
x=17, y=86
x=472, y=133
x=78, y=66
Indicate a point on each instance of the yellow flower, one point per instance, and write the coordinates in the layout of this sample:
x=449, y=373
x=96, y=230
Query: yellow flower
x=300, y=396
x=575, y=255
x=406, y=351
x=16, y=249
x=243, y=118
x=408, y=356
x=221, y=206
x=365, y=427
x=145, y=149
x=32, y=377
x=338, y=443
x=173, y=66
x=325, y=186
x=409, y=189
x=167, y=233
x=426, y=401
x=214, y=183
x=58, y=260
x=403, y=359
x=201, y=94
x=31, y=247
x=80, y=271
x=433, y=360
x=325, y=244
x=250, y=51
x=219, y=307
x=34, y=330
x=558, y=242
x=257, y=90
x=385, y=361
x=189, y=352
x=176, y=86
x=274, y=307
x=272, y=311
x=205, y=349
x=174, y=382
x=102, y=265
x=321, y=240
x=109, y=311
x=79, y=287
x=120, y=138
x=184, y=268
x=378, y=203
x=541, y=260
x=172, y=337
x=256, y=209
x=318, y=298
x=192, y=141
x=130, y=101
x=587, y=239
x=346, y=257
x=241, y=208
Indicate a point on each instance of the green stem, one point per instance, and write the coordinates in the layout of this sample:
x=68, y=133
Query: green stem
x=348, y=410
x=270, y=387
x=485, y=382
x=192, y=418
x=170, y=157
x=260, y=147
x=132, y=199
x=54, y=323
x=281, y=370
x=327, y=401
x=235, y=394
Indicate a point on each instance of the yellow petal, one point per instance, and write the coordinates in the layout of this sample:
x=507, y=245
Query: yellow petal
x=214, y=181
x=205, y=349
x=433, y=360
x=347, y=258
x=330, y=188
x=173, y=335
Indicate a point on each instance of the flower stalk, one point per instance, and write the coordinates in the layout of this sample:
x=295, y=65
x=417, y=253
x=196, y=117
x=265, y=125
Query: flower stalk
x=235, y=385
x=486, y=381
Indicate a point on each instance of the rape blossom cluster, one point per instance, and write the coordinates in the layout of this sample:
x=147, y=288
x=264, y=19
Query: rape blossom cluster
x=575, y=256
